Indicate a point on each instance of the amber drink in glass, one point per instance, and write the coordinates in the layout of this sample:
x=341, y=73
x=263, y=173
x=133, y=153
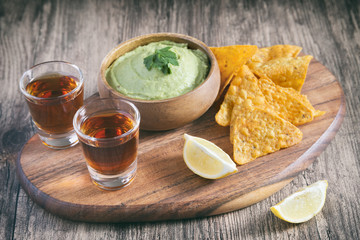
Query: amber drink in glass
x=54, y=91
x=108, y=130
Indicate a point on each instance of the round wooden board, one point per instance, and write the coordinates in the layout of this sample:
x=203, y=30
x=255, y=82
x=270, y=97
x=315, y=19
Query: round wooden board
x=164, y=187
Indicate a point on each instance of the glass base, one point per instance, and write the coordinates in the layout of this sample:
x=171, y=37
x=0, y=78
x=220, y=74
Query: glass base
x=58, y=141
x=113, y=182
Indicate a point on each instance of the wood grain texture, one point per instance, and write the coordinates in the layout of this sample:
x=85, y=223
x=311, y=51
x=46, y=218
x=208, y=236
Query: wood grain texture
x=164, y=187
x=84, y=31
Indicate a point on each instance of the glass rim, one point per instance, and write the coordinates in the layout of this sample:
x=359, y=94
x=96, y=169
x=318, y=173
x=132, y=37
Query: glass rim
x=77, y=88
x=77, y=123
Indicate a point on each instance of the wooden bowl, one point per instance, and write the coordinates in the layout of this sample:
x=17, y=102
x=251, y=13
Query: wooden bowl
x=173, y=112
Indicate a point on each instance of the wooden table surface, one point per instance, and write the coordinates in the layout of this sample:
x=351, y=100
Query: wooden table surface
x=83, y=32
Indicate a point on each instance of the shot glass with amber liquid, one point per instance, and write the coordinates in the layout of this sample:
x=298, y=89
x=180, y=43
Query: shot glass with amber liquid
x=108, y=130
x=54, y=91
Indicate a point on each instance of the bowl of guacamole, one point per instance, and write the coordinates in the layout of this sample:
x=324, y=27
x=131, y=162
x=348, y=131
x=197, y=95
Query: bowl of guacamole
x=172, y=78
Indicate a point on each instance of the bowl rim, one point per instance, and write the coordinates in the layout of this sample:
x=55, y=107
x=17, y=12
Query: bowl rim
x=203, y=47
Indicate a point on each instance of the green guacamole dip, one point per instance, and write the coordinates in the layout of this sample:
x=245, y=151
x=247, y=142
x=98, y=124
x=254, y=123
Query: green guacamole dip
x=129, y=76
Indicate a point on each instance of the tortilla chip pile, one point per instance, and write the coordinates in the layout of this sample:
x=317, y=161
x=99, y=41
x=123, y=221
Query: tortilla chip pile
x=263, y=104
x=230, y=60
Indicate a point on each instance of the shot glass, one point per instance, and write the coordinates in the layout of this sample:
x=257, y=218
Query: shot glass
x=108, y=130
x=54, y=91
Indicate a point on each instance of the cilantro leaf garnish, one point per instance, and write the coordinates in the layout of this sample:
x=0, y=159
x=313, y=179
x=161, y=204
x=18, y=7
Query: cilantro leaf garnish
x=161, y=60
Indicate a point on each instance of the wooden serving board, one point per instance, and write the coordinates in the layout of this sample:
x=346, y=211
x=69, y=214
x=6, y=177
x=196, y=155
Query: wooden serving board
x=164, y=187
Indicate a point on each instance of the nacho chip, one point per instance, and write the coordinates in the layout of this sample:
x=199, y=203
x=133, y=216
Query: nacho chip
x=285, y=71
x=258, y=100
x=319, y=113
x=230, y=60
x=268, y=53
x=257, y=131
x=287, y=102
x=243, y=86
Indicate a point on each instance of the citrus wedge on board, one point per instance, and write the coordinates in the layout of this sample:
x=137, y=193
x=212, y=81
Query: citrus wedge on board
x=302, y=205
x=206, y=159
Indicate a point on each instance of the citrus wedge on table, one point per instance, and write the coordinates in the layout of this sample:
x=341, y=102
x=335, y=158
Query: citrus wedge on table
x=206, y=159
x=302, y=205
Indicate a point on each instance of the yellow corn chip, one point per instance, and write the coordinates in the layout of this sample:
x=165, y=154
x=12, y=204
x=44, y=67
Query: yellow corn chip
x=230, y=59
x=285, y=71
x=268, y=53
x=243, y=86
x=318, y=113
x=257, y=131
x=287, y=102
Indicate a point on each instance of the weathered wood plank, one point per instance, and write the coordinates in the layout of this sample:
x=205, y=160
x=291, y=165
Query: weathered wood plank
x=84, y=31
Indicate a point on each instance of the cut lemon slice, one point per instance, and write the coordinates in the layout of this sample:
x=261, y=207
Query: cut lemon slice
x=206, y=159
x=302, y=205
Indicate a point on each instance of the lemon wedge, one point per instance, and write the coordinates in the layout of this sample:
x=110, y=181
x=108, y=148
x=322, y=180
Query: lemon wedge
x=302, y=205
x=206, y=159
